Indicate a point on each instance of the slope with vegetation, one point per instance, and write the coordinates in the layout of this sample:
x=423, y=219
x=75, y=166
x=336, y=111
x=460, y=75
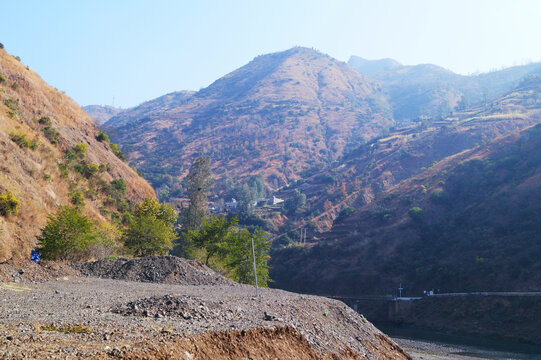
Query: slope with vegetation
x=367, y=171
x=53, y=155
x=467, y=223
x=279, y=115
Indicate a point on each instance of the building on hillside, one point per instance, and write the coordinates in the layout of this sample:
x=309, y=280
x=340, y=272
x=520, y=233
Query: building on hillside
x=231, y=205
x=274, y=201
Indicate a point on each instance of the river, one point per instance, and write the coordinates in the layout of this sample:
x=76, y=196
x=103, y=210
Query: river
x=432, y=345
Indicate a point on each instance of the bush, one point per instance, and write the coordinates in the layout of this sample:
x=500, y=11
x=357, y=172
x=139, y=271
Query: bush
x=2, y=79
x=119, y=185
x=344, y=213
x=1, y=46
x=151, y=230
x=9, y=205
x=416, y=213
x=44, y=121
x=91, y=170
x=102, y=137
x=69, y=235
x=80, y=149
x=77, y=198
x=21, y=140
x=51, y=134
x=117, y=152
x=14, y=86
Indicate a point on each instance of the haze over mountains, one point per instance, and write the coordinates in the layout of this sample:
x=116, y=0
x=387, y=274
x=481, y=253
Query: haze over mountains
x=431, y=90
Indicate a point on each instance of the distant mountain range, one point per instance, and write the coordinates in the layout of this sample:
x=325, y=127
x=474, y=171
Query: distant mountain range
x=431, y=90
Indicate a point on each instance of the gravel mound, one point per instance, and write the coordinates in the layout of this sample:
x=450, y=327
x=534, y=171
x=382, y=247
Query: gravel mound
x=183, y=307
x=155, y=269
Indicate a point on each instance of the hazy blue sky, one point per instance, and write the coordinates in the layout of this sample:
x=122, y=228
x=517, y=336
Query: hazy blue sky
x=138, y=50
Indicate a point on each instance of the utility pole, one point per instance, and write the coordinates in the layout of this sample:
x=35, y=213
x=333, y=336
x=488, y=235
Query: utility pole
x=255, y=270
x=303, y=235
x=400, y=290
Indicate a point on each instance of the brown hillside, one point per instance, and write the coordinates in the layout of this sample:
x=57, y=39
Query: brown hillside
x=384, y=162
x=279, y=115
x=469, y=223
x=34, y=176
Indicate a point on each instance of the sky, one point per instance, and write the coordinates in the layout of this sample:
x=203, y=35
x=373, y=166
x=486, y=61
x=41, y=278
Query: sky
x=122, y=53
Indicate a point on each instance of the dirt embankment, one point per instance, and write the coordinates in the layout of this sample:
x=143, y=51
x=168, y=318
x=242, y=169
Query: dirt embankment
x=71, y=317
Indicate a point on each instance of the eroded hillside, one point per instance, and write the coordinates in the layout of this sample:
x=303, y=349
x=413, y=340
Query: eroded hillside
x=39, y=126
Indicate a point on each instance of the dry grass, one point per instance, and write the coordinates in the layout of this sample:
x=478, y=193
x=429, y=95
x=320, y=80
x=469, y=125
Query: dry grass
x=22, y=170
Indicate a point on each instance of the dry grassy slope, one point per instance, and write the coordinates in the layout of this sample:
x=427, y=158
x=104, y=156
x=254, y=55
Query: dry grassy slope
x=373, y=168
x=279, y=114
x=22, y=170
x=478, y=230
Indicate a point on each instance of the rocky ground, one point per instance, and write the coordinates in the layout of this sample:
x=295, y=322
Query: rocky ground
x=71, y=316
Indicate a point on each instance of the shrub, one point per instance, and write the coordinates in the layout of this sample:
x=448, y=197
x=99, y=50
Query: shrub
x=80, y=149
x=1, y=46
x=9, y=205
x=2, y=79
x=69, y=235
x=344, y=213
x=102, y=137
x=91, y=170
x=117, y=151
x=51, y=134
x=44, y=121
x=11, y=104
x=119, y=185
x=77, y=198
x=416, y=213
x=14, y=86
x=21, y=140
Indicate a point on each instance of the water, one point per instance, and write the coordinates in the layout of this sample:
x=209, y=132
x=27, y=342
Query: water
x=469, y=345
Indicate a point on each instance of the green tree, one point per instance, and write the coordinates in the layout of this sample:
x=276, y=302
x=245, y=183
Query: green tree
x=69, y=235
x=199, y=181
x=151, y=231
x=295, y=203
x=211, y=237
x=227, y=249
x=239, y=261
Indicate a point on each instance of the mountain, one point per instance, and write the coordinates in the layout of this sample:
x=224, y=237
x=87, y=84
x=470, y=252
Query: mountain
x=361, y=174
x=101, y=113
x=42, y=164
x=151, y=108
x=432, y=91
x=279, y=115
x=454, y=207
x=371, y=67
